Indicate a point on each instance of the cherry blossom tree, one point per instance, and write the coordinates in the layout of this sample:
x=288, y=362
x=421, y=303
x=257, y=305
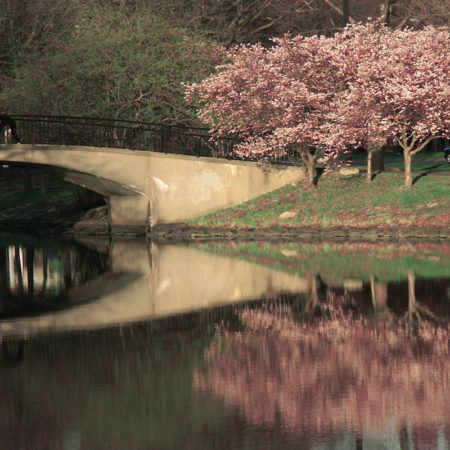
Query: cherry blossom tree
x=366, y=86
x=419, y=94
x=354, y=120
x=273, y=99
x=398, y=88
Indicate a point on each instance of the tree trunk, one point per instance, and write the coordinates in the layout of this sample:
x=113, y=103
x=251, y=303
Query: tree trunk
x=387, y=12
x=408, y=175
x=346, y=11
x=369, y=166
x=87, y=198
x=379, y=292
x=377, y=161
x=311, y=172
x=310, y=165
x=3, y=275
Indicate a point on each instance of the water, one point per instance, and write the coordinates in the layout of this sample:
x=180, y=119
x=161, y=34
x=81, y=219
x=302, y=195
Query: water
x=233, y=345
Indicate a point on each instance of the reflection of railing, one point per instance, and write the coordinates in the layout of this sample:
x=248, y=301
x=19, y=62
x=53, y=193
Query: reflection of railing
x=88, y=131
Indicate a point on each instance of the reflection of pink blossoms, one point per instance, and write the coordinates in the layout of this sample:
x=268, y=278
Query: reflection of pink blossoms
x=332, y=374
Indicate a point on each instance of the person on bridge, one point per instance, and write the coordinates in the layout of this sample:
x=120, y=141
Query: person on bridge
x=6, y=121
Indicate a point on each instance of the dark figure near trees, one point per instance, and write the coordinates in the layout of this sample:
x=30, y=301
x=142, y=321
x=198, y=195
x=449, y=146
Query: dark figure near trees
x=7, y=123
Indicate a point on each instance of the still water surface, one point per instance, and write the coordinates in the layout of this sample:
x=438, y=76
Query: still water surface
x=234, y=345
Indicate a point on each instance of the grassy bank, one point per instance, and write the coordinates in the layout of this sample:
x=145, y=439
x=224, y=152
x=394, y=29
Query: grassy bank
x=339, y=201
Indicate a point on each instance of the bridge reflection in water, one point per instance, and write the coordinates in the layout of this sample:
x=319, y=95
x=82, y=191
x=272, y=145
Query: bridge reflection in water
x=151, y=281
x=106, y=283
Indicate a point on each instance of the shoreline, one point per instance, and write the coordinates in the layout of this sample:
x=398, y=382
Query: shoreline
x=95, y=223
x=176, y=233
x=181, y=232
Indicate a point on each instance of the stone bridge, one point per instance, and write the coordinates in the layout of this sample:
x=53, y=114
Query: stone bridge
x=145, y=188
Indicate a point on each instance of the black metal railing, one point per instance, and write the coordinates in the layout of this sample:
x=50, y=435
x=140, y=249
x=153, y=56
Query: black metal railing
x=95, y=132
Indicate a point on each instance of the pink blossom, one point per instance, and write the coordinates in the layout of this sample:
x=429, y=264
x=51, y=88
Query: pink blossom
x=365, y=86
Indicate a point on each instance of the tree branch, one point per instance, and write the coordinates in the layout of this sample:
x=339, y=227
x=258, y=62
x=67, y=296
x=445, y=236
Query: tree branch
x=423, y=144
x=339, y=10
x=386, y=11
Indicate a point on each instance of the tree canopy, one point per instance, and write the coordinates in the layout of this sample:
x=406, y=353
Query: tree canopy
x=365, y=86
x=273, y=99
x=128, y=58
x=397, y=88
x=112, y=64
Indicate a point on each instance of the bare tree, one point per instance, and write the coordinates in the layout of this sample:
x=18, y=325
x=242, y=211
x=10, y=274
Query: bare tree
x=418, y=13
x=25, y=25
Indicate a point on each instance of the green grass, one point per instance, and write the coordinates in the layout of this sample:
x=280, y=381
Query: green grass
x=344, y=201
x=335, y=262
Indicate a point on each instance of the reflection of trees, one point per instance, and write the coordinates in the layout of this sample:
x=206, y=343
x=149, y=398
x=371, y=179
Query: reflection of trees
x=416, y=310
x=3, y=277
x=18, y=271
x=31, y=276
x=344, y=373
x=315, y=289
x=379, y=294
x=30, y=271
x=44, y=273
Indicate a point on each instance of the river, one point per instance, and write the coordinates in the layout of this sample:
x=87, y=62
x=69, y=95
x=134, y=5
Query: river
x=126, y=343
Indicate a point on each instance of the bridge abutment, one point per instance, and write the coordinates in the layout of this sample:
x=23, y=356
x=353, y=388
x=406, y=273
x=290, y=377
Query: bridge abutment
x=129, y=214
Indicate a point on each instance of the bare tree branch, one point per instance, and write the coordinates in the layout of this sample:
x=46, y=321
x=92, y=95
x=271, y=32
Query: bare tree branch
x=339, y=10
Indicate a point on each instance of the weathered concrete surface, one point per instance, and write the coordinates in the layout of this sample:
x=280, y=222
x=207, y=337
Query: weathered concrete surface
x=148, y=188
x=158, y=281
x=184, y=187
